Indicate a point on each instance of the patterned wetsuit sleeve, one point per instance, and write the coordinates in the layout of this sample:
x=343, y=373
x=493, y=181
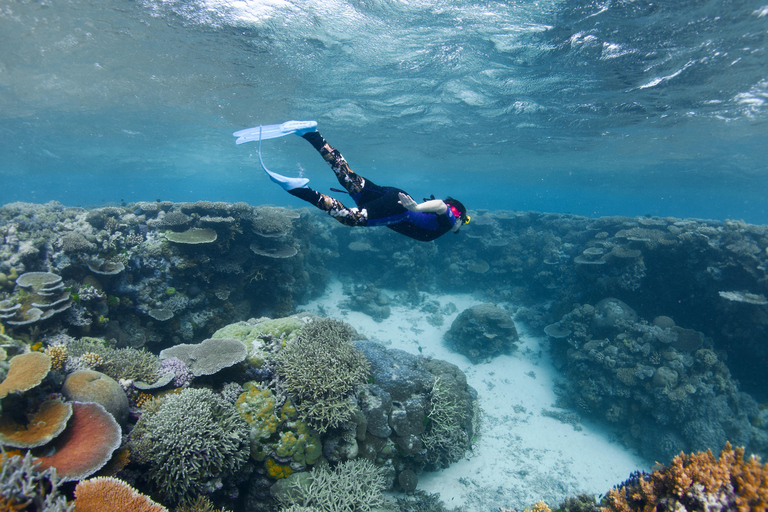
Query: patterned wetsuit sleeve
x=334, y=207
x=352, y=183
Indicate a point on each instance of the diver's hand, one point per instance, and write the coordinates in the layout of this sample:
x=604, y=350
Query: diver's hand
x=407, y=202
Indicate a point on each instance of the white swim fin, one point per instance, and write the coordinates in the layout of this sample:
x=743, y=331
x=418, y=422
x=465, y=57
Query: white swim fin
x=273, y=131
x=284, y=181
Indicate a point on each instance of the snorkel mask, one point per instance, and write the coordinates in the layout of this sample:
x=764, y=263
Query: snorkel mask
x=456, y=213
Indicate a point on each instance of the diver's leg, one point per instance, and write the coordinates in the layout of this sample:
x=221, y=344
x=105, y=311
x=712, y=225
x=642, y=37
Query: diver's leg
x=353, y=183
x=334, y=208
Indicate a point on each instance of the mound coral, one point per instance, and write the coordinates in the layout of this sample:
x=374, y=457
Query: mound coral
x=321, y=368
x=26, y=372
x=91, y=436
x=93, y=386
x=191, y=443
x=697, y=482
x=43, y=425
x=352, y=485
x=106, y=493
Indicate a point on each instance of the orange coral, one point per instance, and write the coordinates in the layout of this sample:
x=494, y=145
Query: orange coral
x=694, y=480
x=26, y=371
x=107, y=493
x=48, y=422
x=87, y=443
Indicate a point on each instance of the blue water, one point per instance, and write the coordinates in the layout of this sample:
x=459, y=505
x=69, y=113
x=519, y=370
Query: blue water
x=589, y=107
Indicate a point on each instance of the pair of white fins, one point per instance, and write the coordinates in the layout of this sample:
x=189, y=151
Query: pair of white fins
x=272, y=131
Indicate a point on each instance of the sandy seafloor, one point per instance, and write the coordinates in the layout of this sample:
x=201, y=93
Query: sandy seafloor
x=520, y=456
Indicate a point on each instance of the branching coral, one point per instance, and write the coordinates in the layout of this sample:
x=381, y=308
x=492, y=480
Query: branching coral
x=23, y=487
x=697, y=482
x=192, y=441
x=352, y=485
x=321, y=369
x=445, y=438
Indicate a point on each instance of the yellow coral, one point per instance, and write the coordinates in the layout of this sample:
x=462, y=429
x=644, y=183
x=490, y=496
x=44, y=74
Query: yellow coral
x=257, y=407
x=58, y=355
x=143, y=399
x=92, y=360
x=276, y=470
x=539, y=506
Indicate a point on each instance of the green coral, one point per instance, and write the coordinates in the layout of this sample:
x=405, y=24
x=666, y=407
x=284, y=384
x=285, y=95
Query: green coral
x=191, y=443
x=280, y=435
x=445, y=439
x=257, y=407
x=321, y=369
x=254, y=333
x=352, y=485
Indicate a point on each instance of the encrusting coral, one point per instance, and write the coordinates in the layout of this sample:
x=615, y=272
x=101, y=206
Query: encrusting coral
x=106, y=493
x=321, y=368
x=697, y=481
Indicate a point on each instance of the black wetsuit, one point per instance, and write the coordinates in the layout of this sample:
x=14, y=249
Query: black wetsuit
x=376, y=206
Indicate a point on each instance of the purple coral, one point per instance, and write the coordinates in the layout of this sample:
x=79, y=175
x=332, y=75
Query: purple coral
x=179, y=369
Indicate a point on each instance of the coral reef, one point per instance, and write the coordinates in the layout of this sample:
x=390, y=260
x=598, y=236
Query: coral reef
x=698, y=481
x=352, y=485
x=191, y=444
x=321, y=369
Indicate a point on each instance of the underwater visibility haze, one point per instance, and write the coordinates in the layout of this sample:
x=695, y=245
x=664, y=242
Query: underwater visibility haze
x=589, y=107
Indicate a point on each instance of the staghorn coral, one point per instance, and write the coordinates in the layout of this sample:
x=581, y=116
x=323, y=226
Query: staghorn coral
x=697, y=481
x=352, y=485
x=191, y=443
x=107, y=493
x=321, y=369
x=24, y=487
x=445, y=438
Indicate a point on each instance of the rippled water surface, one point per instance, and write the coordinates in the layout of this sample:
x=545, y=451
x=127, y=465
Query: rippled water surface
x=590, y=107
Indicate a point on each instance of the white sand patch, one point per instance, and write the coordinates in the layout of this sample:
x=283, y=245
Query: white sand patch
x=520, y=456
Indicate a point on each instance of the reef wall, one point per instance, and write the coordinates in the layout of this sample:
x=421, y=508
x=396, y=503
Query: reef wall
x=157, y=274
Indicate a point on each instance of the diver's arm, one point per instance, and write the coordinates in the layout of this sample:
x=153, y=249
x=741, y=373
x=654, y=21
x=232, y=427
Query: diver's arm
x=432, y=206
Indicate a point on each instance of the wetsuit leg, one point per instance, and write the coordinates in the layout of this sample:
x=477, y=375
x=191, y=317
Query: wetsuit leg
x=361, y=189
x=334, y=207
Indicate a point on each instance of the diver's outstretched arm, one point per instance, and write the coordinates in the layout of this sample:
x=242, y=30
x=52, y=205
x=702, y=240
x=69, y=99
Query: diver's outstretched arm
x=432, y=206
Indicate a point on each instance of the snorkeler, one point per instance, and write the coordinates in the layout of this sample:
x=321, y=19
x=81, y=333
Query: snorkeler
x=376, y=205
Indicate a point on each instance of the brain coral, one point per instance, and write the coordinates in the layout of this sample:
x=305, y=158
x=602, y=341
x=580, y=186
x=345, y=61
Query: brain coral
x=93, y=386
x=193, y=441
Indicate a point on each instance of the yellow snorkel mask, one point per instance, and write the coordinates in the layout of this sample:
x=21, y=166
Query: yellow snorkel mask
x=466, y=220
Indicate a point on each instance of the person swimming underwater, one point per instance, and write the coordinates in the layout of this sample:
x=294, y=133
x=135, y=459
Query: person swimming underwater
x=375, y=205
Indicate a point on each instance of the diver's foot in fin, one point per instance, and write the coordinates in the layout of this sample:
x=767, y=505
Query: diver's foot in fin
x=273, y=131
x=286, y=182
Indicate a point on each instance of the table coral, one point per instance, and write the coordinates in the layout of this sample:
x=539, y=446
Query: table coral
x=107, y=493
x=697, y=481
x=26, y=372
x=91, y=436
x=40, y=428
